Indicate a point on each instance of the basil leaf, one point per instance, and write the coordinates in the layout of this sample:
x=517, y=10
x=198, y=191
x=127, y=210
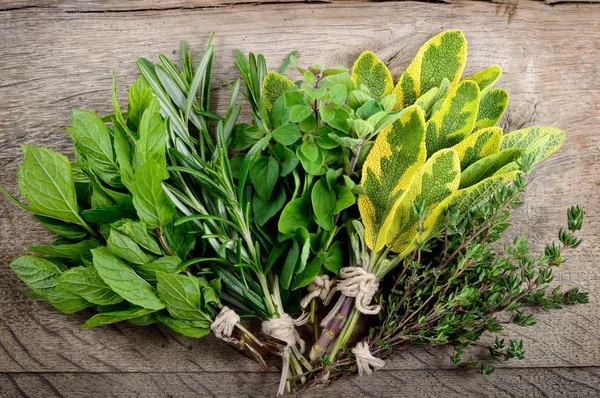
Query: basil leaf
x=72, y=251
x=300, y=112
x=287, y=134
x=304, y=238
x=323, y=199
x=85, y=282
x=69, y=231
x=181, y=295
x=264, y=210
x=93, y=140
x=124, y=281
x=106, y=318
x=151, y=203
x=39, y=274
x=334, y=258
x=344, y=198
x=67, y=302
x=289, y=266
x=194, y=329
x=46, y=181
x=126, y=248
x=287, y=159
x=308, y=274
x=295, y=214
x=264, y=174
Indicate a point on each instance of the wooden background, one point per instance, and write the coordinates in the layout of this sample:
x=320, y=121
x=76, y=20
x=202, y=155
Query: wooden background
x=56, y=55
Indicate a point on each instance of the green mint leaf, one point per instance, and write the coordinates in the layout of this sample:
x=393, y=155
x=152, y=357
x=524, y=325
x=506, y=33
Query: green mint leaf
x=194, y=329
x=138, y=231
x=93, y=140
x=39, y=274
x=124, y=281
x=152, y=136
x=264, y=174
x=108, y=215
x=123, y=246
x=67, y=302
x=123, y=154
x=181, y=295
x=139, y=95
x=168, y=264
x=180, y=239
x=66, y=230
x=106, y=318
x=71, y=251
x=85, y=282
x=46, y=181
x=152, y=204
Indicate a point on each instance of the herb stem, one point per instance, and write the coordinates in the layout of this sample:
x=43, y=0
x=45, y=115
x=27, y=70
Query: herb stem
x=162, y=241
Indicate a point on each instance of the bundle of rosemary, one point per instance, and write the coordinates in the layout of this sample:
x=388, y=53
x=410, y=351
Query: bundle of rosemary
x=342, y=184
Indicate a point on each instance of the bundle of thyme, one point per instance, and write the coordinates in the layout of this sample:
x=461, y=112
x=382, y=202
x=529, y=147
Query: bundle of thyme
x=388, y=198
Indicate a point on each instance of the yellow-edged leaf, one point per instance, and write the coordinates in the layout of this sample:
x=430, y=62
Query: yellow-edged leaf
x=491, y=108
x=478, y=145
x=463, y=200
x=396, y=156
x=274, y=85
x=371, y=72
x=443, y=56
x=454, y=119
x=539, y=142
x=486, y=78
x=488, y=166
x=436, y=180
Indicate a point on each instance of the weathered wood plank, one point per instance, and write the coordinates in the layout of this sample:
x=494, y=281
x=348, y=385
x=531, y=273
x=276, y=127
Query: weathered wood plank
x=56, y=61
x=83, y=6
x=549, y=382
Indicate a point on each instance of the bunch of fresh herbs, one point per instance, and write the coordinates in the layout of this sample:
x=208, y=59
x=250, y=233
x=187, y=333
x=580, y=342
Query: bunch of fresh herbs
x=171, y=211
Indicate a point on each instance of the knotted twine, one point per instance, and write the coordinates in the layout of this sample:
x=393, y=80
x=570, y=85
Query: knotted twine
x=365, y=361
x=357, y=282
x=284, y=328
x=224, y=323
x=319, y=287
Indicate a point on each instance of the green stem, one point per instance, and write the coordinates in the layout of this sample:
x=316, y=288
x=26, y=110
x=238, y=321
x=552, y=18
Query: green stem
x=345, y=334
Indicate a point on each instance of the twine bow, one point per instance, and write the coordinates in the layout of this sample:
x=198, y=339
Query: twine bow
x=284, y=328
x=319, y=287
x=365, y=361
x=358, y=283
x=224, y=323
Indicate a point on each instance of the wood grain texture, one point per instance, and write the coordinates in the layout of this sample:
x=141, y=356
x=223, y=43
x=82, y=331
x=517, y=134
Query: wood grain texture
x=53, y=60
x=509, y=383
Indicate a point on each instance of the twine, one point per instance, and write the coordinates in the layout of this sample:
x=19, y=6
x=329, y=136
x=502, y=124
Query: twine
x=224, y=323
x=284, y=328
x=319, y=287
x=358, y=283
x=365, y=361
